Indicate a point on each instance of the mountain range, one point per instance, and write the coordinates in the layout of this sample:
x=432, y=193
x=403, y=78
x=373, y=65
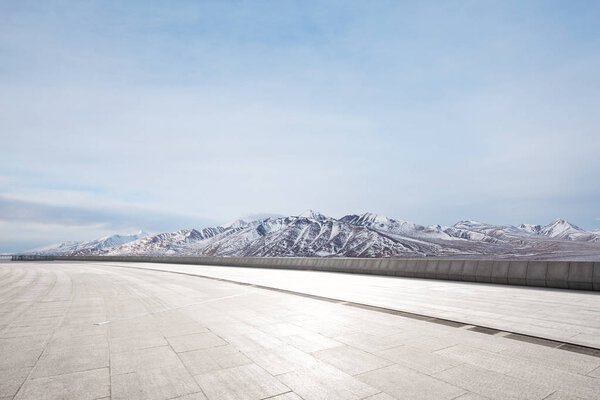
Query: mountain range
x=312, y=234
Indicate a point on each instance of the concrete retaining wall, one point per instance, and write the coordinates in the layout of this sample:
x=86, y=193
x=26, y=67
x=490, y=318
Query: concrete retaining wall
x=551, y=274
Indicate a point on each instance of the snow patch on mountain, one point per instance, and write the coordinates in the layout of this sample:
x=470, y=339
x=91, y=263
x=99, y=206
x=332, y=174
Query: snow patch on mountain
x=238, y=223
x=312, y=234
x=530, y=228
x=314, y=215
x=561, y=229
x=91, y=246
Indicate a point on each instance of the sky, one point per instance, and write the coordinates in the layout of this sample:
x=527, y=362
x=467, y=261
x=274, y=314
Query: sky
x=160, y=115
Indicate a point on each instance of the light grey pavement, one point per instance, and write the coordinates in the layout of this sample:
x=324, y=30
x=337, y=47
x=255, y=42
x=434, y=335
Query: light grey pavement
x=557, y=314
x=92, y=331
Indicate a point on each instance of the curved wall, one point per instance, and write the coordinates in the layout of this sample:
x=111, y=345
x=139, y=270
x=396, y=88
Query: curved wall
x=552, y=274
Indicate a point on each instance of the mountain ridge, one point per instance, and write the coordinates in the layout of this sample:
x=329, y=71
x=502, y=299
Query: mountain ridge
x=312, y=234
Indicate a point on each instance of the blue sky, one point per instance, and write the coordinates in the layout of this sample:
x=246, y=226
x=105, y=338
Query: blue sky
x=119, y=116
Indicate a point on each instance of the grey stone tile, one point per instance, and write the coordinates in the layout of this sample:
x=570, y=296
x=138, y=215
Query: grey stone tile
x=212, y=359
x=286, y=396
x=553, y=358
x=14, y=358
x=309, y=342
x=11, y=380
x=586, y=339
x=404, y=383
x=326, y=383
x=351, y=360
x=492, y=344
x=80, y=330
x=23, y=343
x=582, y=386
x=374, y=343
x=64, y=360
x=127, y=330
x=527, y=310
x=99, y=343
x=154, y=384
x=595, y=373
x=195, y=341
x=24, y=331
x=483, y=359
x=282, y=329
x=328, y=328
x=193, y=396
x=558, y=395
x=431, y=344
x=61, y=342
x=252, y=338
x=259, y=322
x=428, y=363
x=247, y=382
x=282, y=359
x=141, y=359
x=121, y=344
x=86, y=385
x=246, y=343
x=492, y=384
x=472, y=396
x=380, y=396
x=182, y=329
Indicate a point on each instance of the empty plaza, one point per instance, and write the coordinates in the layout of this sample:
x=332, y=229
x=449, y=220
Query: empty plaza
x=75, y=330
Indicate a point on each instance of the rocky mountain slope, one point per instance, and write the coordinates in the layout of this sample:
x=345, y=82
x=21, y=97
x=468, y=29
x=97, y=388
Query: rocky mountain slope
x=96, y=246
x=312, y=234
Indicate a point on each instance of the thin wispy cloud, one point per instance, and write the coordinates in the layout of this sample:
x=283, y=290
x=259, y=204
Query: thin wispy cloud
x=208, y=111
x=13, y=210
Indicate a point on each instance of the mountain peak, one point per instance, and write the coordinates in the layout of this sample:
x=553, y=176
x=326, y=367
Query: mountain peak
x=374, y=218
x=562, y=225
x=238, y=223
x=311, y=214
x=530, y=228
x=364, y=235
x=562, y=229
x=128, y=237
x=468, y=223
x=559, y=222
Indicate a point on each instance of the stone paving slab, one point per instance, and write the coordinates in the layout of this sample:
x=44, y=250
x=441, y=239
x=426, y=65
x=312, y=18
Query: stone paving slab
x=405, y=383
x=245, y=382
x=164, y=382
x=562, y=315
x=84, y=385
x=351, y=360
x=213, y=359
x=101, y=332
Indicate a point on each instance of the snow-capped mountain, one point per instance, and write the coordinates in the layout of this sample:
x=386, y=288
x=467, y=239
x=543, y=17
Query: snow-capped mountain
x=312, y=234
x=238, y=223
x=381, y=223
x=531, y=228
x=562, y=229
x=90, y=247
x=169, y=243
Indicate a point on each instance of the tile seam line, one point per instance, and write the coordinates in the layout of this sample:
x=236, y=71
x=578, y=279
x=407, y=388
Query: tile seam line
x=380, y=309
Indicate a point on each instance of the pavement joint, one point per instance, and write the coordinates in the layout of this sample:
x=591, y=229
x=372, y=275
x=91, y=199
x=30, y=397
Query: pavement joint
x=49, y=336
x=456, y=324
x=276, y=346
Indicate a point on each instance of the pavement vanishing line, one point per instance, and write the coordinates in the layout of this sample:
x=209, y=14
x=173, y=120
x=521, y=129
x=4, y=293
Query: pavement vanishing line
x=538, y=340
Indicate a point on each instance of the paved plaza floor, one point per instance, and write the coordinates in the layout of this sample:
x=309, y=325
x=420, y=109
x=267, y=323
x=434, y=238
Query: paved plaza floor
x=563, y=315
x=100, y=331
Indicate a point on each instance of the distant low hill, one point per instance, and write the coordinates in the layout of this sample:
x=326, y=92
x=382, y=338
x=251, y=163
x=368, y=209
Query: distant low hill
x=312, y=234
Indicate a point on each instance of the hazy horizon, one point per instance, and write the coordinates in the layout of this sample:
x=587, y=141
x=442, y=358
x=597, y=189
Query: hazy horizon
x=156, y=116
x=245, y=218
